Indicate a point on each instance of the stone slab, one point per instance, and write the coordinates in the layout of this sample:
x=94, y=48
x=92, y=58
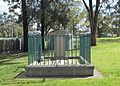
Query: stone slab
x=71, y=70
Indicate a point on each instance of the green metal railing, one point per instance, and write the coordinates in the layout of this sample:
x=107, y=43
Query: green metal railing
x=34, y=47
x=85, y=54
x=80, y=51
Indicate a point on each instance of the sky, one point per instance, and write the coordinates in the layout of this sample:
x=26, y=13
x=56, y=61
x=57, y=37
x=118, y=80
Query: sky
x=3, y=7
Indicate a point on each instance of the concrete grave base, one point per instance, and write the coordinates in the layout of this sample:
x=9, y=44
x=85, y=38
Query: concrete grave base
x=66, y=70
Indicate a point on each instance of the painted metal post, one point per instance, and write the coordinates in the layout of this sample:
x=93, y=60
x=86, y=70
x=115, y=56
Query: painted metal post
x=34, y=47
x=29, y=48
x=82, y=48
x=89, y=48
x=85, y=48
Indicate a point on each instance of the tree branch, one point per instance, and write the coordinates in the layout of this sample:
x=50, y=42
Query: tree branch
x=116, y=9
x=96, y=12
x=86, y=5
x=101, y=4
x=97, y=6
x=90, y=5
x=91, y=9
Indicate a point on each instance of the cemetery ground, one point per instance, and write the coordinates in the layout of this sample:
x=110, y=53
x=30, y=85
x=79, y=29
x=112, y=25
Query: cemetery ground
x=105, y=58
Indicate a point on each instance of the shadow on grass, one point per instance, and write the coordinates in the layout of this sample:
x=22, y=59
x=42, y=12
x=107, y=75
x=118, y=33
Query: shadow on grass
x=108, y=40
x=9, y=57
x=9, y=63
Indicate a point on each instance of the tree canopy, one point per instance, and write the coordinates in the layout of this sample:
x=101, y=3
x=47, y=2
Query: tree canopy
x=52, y=14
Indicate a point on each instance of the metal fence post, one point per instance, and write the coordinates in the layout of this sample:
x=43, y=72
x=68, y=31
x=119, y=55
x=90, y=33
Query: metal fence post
x=34, y=47
x=82, y=48
x=85, y=48
x=89, y=48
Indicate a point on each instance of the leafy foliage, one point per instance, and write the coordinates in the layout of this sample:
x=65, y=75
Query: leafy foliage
x=9, y=27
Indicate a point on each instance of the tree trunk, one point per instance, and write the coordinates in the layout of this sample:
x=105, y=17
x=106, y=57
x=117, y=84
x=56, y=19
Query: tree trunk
x=42, y=32
x=93, y=37
x=93, y=19
x=99, y=32
x=25, y=26
x=42, y=23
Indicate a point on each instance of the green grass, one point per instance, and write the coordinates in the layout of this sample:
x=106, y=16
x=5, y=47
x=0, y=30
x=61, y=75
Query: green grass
x=105, y=57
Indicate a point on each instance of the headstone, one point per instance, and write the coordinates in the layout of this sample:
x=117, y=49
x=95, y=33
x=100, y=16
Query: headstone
x=59, y=43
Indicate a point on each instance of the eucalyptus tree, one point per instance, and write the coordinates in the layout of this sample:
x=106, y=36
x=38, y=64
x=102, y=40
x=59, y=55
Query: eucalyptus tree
x=50, y=14
x=93, y=13
x=116, y=24
x=25, y=25
x=22, y=5
x=9, y=27
x=116, y=21
x=77, y=17
x=112, y=9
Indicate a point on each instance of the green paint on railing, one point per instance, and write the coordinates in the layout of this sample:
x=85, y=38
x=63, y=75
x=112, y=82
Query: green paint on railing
x=85, y=47
x=34, y=47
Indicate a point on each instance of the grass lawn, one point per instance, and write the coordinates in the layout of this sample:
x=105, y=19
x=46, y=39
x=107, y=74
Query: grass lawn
x=105, y=57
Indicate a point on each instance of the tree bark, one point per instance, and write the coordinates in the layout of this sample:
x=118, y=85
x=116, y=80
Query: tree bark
x=25, y=26
x=99, y=32
x=93, y=36
x=42, y=23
